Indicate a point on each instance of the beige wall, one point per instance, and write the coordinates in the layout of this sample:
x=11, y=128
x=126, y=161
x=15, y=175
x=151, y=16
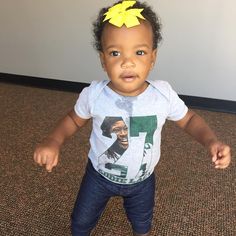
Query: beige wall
x=52, y=39
x=198, y=54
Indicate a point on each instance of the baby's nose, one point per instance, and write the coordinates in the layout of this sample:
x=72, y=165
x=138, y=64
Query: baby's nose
x=127, y=63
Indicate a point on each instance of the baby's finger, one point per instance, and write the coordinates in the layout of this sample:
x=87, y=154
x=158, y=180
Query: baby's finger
x=222, y=163
x=51, y=162
x=38, y=158
x=55, y=161
x=214, y=158
x=43, y=159
x=225, y=151
x=49, y=168
x=48, y=163
x=221, y=166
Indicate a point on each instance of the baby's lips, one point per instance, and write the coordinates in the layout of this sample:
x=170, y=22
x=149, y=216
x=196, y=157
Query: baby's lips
x=128, y=75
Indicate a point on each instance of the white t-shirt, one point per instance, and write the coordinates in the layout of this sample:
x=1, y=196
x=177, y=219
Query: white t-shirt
x=126, y=134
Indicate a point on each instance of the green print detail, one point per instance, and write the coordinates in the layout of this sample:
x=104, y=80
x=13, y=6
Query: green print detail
x=113, y=177
x=146, y=124
x=143, y=167
x=120, y=168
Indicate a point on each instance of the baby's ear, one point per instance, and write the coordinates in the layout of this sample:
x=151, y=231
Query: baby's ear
x=102, y=60
x=154, y=57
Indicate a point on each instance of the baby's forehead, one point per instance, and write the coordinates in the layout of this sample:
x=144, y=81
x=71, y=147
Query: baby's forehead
x=143, y=23
x=143, y=30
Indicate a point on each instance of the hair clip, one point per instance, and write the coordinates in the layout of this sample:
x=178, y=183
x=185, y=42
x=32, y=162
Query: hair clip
x=118, y=15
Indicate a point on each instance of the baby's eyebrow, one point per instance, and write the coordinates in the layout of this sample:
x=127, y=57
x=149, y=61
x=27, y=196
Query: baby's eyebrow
x=114, y=46
x=111, y=46
x=142, y=45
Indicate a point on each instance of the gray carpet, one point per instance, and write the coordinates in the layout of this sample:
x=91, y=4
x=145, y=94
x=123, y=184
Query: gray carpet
x=192, y=199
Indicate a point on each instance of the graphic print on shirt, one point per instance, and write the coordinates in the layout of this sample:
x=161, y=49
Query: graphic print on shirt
x=135, y=141
x=117, y=126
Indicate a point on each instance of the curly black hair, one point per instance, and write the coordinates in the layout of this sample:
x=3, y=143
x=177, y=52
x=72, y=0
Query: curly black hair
x=147, y=13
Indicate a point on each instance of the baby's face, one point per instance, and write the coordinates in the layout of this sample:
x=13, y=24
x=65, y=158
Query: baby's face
x=128, y=57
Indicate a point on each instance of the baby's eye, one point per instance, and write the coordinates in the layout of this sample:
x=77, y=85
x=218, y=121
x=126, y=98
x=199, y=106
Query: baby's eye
x=115, y=53
x=140, y=52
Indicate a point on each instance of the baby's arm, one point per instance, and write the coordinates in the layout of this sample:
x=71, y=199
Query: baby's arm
x=47, y=152
x=194, y=125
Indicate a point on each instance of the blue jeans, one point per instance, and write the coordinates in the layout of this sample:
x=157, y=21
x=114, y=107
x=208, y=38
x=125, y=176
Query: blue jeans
x=94, y=193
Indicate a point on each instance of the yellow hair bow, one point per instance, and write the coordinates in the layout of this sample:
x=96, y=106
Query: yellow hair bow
x=118, y=15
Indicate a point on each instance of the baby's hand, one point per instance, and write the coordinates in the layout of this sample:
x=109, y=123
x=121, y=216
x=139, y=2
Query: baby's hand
x=221, y=155
x=47, y=153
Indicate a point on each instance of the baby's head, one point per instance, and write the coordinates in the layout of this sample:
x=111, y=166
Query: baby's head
x=126, y=38
x=147, y=13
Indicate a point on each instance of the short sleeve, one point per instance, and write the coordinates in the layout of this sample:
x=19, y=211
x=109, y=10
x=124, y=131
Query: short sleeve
x=81, y=107
x=177, y=108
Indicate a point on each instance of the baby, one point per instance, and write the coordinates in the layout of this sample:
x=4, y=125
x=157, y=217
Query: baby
x=128, y=113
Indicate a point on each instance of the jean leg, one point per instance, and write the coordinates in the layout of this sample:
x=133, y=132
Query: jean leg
x=91, y=201
x=139, y=206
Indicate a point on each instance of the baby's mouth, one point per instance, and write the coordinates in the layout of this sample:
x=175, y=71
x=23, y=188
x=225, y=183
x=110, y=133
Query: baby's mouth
x=128, y=76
